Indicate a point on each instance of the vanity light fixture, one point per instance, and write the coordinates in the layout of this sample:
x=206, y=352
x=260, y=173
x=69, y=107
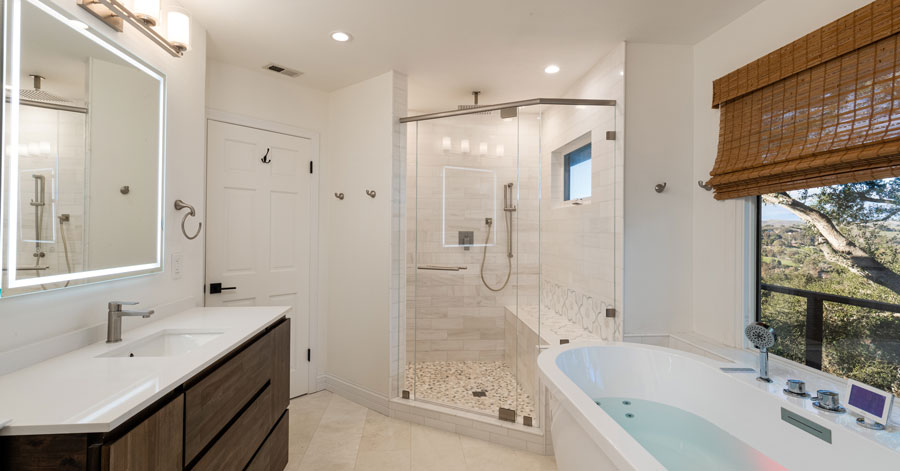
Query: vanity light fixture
x=144, y=17
x=446, y=144
x=341, y=36
x=500, y=150
x=551, y=69
x=178, y=29
x=146, y=11
x=483, y=148
x=464, y=146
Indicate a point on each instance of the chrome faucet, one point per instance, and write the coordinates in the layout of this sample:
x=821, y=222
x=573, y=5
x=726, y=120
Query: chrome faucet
x=114, y=320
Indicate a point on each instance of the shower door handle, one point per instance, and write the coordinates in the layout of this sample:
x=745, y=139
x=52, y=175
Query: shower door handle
x=216, y=288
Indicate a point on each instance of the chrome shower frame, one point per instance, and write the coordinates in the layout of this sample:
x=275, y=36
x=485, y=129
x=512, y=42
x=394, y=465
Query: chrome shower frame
x=509, y=105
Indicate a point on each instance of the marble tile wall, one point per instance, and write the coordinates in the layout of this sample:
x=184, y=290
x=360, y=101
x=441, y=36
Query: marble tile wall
x=398, y=236
x=452, y=315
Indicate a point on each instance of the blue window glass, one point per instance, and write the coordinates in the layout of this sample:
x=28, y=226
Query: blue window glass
x=577, y=165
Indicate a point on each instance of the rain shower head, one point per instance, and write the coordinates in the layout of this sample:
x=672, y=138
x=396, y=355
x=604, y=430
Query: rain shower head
x=475, y=94
x=38, y=97
x=37, y=94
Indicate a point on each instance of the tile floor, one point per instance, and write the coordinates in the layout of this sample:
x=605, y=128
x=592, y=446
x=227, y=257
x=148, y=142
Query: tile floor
x=452, y=383
x=330, y=433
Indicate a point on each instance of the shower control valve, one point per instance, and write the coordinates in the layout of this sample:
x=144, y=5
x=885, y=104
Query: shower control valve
x=489, y=221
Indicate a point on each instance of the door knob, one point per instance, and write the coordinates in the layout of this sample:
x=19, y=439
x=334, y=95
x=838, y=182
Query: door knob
x=216, y=288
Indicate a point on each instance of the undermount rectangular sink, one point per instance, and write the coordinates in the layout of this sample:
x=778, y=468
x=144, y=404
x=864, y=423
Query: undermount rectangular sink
x=165, y=343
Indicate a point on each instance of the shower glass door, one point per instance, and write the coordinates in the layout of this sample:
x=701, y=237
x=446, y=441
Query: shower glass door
x=511, y=232
x=466, y=265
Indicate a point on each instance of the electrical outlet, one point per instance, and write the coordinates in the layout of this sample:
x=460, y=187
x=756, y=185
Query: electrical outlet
x=177, y=265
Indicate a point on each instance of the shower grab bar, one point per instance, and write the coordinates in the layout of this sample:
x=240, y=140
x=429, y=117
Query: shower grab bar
x=441, y=268
x=30, y=268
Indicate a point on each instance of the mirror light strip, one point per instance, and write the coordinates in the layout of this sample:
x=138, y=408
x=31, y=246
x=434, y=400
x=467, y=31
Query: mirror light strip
x=80, y=275
x=12, y=149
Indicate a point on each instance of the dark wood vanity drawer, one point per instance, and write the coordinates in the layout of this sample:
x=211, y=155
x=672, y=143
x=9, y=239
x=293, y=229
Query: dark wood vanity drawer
x=214, y=401
x=234, y=449
x=281, y=365
x=274, y=453
x=154, y=445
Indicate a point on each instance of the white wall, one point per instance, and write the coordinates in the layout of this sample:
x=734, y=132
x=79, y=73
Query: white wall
x=359, y=230
x=32, y=318
x=719, y=282
x=123, y=152
x=658, y=91
x=264, y=95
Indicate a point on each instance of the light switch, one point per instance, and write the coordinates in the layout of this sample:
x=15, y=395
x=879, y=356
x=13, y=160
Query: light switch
x=177, y=265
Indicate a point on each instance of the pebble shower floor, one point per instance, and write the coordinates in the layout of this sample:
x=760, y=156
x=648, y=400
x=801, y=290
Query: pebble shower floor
x=453, y=383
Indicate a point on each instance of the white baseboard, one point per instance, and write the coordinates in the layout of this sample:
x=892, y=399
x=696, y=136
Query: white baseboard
x=358, y=394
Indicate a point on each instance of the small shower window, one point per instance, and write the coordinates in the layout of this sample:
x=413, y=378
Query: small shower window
x=577, y=177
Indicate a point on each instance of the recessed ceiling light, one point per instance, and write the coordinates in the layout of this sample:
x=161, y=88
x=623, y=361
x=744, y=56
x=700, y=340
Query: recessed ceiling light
x=341, y=36
x=551, y=69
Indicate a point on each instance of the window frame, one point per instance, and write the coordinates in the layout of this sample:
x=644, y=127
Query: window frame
x=567, y=167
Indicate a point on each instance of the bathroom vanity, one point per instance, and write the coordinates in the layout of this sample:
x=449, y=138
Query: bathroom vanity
x=206, y=389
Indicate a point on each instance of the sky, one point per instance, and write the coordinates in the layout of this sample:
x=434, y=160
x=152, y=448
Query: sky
x=771, y=211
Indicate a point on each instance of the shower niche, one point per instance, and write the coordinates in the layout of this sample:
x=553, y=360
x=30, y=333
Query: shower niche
x=84, y=150
x=490, y=262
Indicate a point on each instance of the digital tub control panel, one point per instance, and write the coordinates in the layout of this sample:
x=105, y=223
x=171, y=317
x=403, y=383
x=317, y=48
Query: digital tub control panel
x=874, y=405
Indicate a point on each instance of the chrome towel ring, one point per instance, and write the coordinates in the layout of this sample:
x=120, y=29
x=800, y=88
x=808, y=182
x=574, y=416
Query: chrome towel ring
x=179, y=205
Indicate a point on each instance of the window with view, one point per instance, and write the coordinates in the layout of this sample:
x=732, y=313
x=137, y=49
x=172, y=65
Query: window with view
x=577, y=176
x=829, y=262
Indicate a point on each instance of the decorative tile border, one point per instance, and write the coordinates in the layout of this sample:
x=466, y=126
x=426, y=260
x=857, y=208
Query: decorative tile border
x=585, y=311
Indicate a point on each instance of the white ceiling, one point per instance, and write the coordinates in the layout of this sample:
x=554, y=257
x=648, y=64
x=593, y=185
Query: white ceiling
x=450, y=47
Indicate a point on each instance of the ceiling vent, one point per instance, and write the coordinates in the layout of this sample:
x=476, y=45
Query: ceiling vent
x=279, y=69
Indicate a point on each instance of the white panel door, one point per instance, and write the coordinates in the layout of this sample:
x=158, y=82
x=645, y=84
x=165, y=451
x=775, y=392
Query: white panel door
x=258, y=228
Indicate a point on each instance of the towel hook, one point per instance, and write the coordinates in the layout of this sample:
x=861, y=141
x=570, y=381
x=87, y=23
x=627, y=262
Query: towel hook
x=705, y=185
x=265, y=159
x=339, y=196
x=660, y=187
x=179, y=205
x=371, y=193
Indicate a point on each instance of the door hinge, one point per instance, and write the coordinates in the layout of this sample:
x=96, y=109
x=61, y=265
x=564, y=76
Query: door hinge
x=308, y=354
x=310, y=166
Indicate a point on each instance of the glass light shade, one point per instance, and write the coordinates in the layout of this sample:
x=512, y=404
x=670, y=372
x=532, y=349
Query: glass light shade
x=483, y=148
x=464, y=146
x=500, y=150
x=446, y=144
x=146, y=10
x=178, y=32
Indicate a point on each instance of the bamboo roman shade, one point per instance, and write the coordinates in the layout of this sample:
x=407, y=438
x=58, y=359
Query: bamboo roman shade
x=823, y=110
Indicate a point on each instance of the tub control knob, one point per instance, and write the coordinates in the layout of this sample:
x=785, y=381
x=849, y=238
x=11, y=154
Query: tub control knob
x=796, y=387
x=828, y=401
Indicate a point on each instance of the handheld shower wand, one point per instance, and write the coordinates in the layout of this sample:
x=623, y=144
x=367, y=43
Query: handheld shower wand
x=509, y=207
x=762, y=337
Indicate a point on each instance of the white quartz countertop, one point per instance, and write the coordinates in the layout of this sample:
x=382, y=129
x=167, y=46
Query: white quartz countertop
x=80, y=393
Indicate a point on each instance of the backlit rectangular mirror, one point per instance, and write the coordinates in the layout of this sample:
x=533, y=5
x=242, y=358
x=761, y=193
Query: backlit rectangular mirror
x=83, y=141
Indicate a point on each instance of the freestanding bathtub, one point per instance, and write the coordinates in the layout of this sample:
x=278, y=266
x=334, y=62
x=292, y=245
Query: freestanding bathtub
x=623, y=406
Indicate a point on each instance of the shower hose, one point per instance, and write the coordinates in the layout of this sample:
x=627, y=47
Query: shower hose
x=507, y=217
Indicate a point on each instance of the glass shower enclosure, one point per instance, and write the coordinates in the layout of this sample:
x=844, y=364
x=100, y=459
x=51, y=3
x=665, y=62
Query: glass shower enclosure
x=506, y=206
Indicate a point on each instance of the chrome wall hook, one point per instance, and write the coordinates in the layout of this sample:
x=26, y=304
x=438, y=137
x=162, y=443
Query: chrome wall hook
x=179, y=205
x=705, y=185
x=660, y=187
x=339, y=196
x=371, y=193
